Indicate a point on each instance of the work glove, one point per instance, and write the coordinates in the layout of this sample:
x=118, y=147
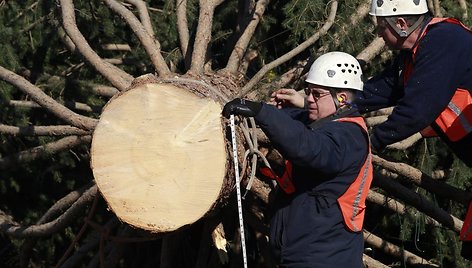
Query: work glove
x=241, y=107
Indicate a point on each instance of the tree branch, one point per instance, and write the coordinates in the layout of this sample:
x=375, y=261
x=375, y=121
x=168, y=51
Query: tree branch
x=43, y=130
x=369, y=262
x=202, y=36
x=426, y=182
x=395, y=251
x=289, y=55
x=69, y=104
x=151, y=45
x=463, y=5
x=143, y=15
x=394, y=205
x=52, y=227
x=361, y=11
x=240, y=48
x=372, y=50
x=116, y=76
x=182, y=27
x=419, y=202
x=47, y=102
x=36, y=152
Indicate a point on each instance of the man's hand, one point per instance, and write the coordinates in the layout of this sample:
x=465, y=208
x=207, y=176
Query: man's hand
x=287, y=97
x=241, y=107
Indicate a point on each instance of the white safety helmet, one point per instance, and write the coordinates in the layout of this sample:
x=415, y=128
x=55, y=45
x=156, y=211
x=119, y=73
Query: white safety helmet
x=384, y=8
x=336, y=70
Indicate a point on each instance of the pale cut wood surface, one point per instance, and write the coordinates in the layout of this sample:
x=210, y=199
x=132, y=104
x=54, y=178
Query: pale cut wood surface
x=158, y=156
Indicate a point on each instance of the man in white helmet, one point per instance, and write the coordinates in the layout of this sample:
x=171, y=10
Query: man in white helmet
x=429, y=83
x=320, y=204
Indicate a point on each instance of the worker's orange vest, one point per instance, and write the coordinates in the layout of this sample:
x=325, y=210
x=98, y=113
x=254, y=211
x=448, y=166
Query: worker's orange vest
x=352, y=202
x=455, y=121
x=466, y=231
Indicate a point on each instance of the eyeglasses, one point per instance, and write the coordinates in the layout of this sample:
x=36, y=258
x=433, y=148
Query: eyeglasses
x=316, y=94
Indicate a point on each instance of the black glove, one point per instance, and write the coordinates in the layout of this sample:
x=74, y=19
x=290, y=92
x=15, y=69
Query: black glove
x=241, y=107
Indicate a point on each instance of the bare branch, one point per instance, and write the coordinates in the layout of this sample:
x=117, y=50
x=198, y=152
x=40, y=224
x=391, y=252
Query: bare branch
x=384, y=111
x=394, y=205
x=55, y=210
x=437, y=9
x=375, y=120
x=47, y=102
x=202, y=36
x=426, y=182
x=287, y=56
x=152, y=46
x=182, y=26
x=463, y=5
x=419, y=202
x=240, y=48
x=361, y=11
x=65, y=38
x=394, y=250
x=292, y=75
x=118, y=47
x=372, y=50
x=69, y=104
x=406, y=143
x=369, y=262
x=143, y=15
x=52, y=227
x=116, y=76
x=42, y=130
x=104, y=90
x=50, y=148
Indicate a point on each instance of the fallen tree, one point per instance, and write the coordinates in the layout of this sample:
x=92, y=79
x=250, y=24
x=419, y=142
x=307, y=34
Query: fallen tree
x=161, y=175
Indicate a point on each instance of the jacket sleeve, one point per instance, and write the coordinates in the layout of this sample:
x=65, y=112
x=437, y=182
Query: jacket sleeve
x=382, y=90
x=442, y=60
x=330, y=148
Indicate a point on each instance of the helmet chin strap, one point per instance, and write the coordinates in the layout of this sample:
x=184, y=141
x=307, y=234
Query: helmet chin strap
x=402, y=33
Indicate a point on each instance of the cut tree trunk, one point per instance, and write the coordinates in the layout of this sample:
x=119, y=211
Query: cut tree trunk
x=159, y=154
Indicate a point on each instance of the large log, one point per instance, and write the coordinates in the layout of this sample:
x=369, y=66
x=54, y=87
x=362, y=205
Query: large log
x=160, y=157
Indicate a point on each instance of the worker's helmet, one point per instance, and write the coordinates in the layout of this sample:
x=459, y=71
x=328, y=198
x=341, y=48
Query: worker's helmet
x=384, y=8
x=336, y=70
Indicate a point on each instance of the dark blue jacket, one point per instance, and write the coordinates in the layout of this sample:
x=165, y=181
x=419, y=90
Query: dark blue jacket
x=443, y=63
x=307, y=228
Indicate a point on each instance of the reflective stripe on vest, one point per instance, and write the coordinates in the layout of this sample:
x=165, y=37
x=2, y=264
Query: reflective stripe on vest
x=466, y=231
x=456, y=119
x=352, y=202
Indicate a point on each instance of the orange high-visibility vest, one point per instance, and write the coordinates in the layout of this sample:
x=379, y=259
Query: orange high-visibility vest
x=455, y=121
x=352, y=202
x=466, y=231
x=284, y=181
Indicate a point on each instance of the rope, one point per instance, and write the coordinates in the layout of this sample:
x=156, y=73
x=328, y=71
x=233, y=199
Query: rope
x=250, y=134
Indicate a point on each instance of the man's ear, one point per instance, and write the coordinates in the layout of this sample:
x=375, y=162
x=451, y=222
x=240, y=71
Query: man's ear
x=342, y=97
x=402, y=26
